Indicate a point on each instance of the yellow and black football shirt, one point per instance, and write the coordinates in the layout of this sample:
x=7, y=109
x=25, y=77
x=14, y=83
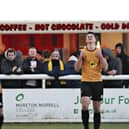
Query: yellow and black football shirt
x=91, y=67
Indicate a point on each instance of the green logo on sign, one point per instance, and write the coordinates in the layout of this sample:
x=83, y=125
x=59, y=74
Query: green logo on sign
x=75, y=111
x=20, y=97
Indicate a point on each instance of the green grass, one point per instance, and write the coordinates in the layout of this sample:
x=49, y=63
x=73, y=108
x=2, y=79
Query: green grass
x=64, y=126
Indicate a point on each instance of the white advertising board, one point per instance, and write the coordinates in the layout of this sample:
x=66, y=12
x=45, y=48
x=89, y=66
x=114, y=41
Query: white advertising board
x=61, y=105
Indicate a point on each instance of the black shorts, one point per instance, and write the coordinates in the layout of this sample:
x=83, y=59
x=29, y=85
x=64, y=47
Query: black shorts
x=94, y=90
x=1, y=103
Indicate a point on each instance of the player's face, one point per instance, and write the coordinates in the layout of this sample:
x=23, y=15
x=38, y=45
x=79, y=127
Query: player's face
x=90, y=38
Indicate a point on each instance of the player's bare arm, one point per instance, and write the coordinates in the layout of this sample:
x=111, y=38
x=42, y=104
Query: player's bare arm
x=78, y=64
x=102, y=60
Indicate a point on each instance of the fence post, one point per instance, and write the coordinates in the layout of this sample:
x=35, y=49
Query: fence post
x=43, y=83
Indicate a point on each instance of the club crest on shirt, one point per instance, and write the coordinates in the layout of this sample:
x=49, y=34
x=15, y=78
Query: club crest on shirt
x=92, y=64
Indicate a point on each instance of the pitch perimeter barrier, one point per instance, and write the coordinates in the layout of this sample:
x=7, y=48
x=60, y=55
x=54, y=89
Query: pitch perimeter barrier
x=44, y=77
x=45, y=105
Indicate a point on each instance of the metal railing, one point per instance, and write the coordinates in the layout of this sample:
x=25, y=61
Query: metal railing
x=45, y=77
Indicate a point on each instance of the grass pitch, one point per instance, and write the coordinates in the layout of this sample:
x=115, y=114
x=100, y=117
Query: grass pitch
x=63, y=126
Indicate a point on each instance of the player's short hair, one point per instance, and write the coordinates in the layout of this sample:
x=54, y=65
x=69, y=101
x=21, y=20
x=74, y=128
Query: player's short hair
x=90, y=32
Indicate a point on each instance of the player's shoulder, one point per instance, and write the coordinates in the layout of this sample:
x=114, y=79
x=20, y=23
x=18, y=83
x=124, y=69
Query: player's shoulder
x=84, y=49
